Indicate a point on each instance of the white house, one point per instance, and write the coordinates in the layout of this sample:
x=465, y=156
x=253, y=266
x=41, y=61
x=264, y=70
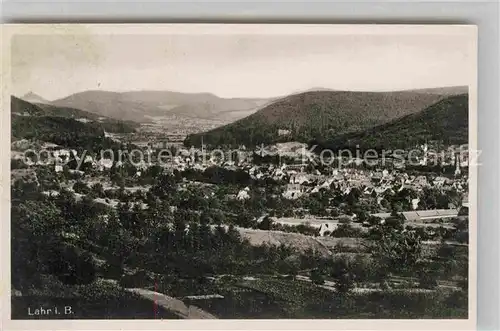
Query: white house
x=243, y=194
x=326, y=229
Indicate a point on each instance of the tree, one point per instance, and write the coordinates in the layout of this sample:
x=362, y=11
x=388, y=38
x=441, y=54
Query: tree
x=81, y=187
x=346, y=230
x=98, y=190
x=396, y=250
x=428, y=273
x=165, y=186
x=71, y=265
x=266, y=223
x=343, y=275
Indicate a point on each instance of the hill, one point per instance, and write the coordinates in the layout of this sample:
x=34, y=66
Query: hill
x=22, y=107
x=317, y=115
x=445, y=91
x=223, y=109
x=299, y=241
x=141, y=106
x=29, y=121
x=33, y=98
x=445, y=121
x=110, y=104
x=59, y=130
x=200, y=105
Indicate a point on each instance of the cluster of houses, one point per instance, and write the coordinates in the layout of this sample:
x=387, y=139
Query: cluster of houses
x=298, y=179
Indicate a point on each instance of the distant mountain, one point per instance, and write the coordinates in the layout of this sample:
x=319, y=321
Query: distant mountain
x=222, y=109
x=141, y=106
x=445, y=121
x=317, y=115
x=33, y=98
x=110, y=104
x=448, y=90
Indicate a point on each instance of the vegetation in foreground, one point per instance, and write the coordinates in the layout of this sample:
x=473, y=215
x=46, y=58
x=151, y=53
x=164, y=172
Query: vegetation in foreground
x=176, y=250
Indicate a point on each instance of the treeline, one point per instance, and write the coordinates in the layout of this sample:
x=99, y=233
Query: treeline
x=59, y=130
x=316, y=115
x=445, y=122
x=114, y=126
x=65, y=132
x=46, y=113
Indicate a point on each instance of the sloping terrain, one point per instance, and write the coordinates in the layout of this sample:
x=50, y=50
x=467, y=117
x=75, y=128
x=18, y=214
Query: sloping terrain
x=445, y=121
x=201, y=105
x=58, y=130
x=23, y=108
x=34, y=98
x=140, y=106
x=29, y=121
x=296, y=240
x=218, y=109
x=110, y=104
x=317, y=115
x=173, y=305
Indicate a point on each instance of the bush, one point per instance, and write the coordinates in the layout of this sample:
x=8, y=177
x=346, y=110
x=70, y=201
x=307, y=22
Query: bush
x=72, y=266
x=463, y=284
x=81, y=187
x=457, y=299
x=136, y=280
x=98, y=190
x=344, y=283
x=344, y=276
x=340, y=247
x=427, y=280
x=18, y=164
x=316, y=277
x=346, y=230
x=113, y=271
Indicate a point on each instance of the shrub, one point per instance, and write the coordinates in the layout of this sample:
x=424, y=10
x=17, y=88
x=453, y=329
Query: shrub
x=346, y=230
x=316, y=277
x=98, y=190
x=136, y=280
x=340, y=247
x=457, y=299
x=72, y=266
x=344, y=283
x=81, y=187
x=113, y=271
x=344, y=277
x=427, y=280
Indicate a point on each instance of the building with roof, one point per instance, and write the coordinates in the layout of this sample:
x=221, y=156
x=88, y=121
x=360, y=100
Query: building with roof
x=423, y=215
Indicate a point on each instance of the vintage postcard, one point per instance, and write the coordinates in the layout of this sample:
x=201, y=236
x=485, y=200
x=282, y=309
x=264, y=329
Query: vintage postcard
x=226, y=176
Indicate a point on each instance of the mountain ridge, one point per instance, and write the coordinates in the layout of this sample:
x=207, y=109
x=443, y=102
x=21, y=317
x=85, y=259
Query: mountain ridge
x=34, y=98
x=140, y=106
x=313, y=115
x=445, y=121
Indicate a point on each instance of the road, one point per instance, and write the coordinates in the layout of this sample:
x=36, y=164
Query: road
x=171, y=304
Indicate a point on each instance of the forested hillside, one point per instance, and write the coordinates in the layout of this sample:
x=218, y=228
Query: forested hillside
x=317, y=115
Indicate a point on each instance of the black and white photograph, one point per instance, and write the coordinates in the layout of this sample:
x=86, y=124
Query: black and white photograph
x=241, y=172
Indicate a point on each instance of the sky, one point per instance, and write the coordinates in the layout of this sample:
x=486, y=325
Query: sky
x=237, y=65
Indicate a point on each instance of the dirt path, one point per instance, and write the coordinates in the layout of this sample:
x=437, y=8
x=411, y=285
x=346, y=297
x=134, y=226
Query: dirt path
x=174, y=305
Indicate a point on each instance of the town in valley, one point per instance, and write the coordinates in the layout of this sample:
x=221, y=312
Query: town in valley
x=320, y=203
